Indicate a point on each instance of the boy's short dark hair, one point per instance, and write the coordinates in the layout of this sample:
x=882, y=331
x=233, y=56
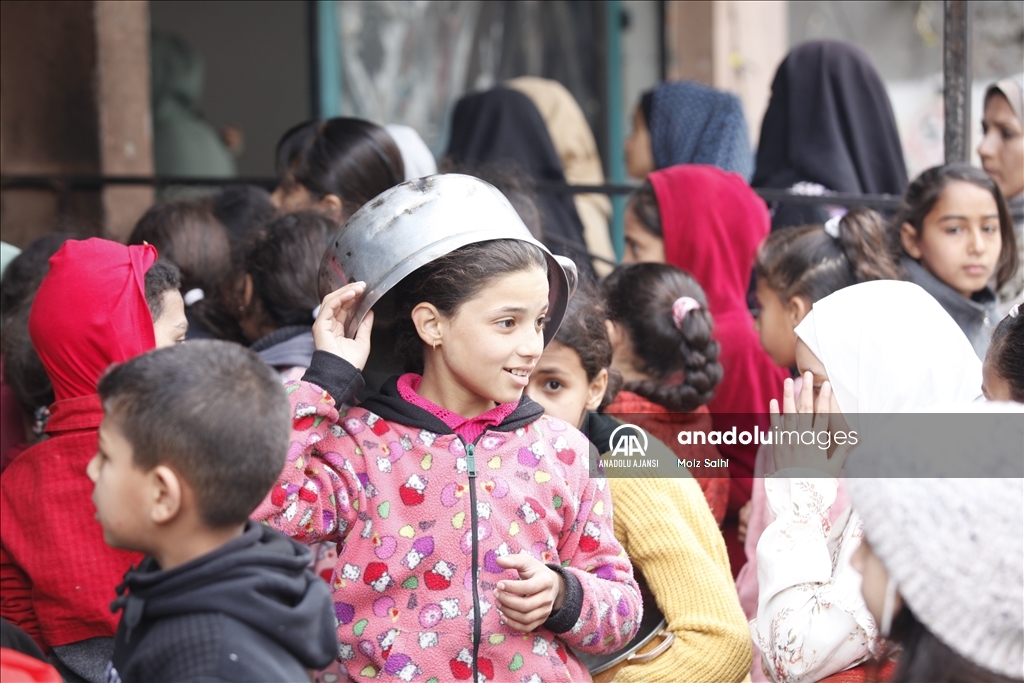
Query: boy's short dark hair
x=212, y=411
x=161, y=277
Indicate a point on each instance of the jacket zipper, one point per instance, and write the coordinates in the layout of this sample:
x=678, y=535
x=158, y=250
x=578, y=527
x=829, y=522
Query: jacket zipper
x=477, y=619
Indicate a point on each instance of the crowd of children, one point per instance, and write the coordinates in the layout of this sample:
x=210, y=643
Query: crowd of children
x=251, y=505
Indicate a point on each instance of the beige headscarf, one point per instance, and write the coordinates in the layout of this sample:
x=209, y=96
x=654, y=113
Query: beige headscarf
x=575, y=145
x=1013, y=90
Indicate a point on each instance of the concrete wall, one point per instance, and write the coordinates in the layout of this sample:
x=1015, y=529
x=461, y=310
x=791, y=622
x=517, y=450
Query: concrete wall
x=60, y=115
x=733, y=45
x=257, y=67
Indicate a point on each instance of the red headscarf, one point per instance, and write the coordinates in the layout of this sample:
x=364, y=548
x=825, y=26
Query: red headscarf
x=90, y=312
x=712, y=224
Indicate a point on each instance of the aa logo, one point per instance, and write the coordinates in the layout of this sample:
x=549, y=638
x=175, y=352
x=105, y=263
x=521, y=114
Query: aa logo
x=628, y=440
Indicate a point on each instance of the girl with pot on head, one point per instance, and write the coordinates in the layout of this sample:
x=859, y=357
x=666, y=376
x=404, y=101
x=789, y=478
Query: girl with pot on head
x=466, y=517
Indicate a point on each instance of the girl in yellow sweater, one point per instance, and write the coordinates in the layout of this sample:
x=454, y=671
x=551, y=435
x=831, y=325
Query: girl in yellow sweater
x=664, y=525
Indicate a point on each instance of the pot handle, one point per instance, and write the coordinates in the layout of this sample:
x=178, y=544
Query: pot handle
x=665, y=644
x=569, y=268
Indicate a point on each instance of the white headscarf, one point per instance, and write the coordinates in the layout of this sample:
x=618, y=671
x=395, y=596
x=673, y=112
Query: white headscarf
x=416, y=156
x=889, y=347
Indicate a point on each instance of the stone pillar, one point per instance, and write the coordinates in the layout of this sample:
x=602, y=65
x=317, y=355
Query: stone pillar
x=733, y=45
x=123, y=100
x=75, y=82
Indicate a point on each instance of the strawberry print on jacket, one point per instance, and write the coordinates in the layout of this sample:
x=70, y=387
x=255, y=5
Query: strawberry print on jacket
x=395, y=488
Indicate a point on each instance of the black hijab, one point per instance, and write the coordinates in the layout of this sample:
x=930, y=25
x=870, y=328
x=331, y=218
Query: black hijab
x=830, y=122
x=503, y=126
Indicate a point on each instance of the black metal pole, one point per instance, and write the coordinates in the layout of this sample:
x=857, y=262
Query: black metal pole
x=956, y=80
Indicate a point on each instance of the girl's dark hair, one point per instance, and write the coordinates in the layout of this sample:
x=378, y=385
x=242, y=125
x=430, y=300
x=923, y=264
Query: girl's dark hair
x=807, y=262
x=639, y=297
x=283, y=261
x=583, y=331
x=450, y=281
x=924, y=192
x=354, y=160
x=1006, y=352
x=644, y=204
x=188, y=235
x=23, y=370
x=647, y=106
x=161, y=277
x=291, y=146
x=241, y=209
x=926, y=658
x=25, y=273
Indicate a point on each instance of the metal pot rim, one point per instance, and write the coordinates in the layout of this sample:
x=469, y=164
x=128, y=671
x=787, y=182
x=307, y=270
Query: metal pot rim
x=406, y=198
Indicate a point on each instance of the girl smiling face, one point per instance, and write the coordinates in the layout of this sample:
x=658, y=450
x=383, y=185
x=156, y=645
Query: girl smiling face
x=486, y=351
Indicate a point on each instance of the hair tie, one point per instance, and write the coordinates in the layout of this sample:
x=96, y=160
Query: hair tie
x=193, y=295
x=316, y=311
x=681, y=307
x=832, y=227
x=1015, y=311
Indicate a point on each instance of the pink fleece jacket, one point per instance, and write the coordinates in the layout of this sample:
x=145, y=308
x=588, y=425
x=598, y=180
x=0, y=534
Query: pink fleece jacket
x=397, y=500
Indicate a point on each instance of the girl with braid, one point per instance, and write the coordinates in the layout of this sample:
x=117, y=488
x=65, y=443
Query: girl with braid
x=660, y=329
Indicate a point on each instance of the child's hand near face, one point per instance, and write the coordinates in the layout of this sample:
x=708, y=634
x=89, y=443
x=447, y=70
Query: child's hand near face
x=527, y=603
x=329, y=327
x=803, y=413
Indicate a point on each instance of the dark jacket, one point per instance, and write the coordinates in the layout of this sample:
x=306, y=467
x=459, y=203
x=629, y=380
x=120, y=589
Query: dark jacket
x=248, y=611
x=977, y=316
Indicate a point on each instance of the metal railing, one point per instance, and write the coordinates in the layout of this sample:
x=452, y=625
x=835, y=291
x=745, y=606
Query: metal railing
x=67, y=183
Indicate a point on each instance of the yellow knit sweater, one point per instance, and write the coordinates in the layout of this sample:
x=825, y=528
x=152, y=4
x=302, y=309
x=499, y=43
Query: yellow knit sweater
x=668, y=531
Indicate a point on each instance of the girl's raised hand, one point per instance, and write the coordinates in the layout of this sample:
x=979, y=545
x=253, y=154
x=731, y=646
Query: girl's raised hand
x=809, y=418
x=527, y=603
x=329, y=326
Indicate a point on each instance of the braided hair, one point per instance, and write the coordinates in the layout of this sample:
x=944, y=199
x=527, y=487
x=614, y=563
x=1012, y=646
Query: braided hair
x=675, y=351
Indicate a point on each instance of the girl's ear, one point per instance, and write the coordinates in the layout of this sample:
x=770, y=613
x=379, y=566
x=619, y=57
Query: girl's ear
x=331, y=205
x=429, y=323
x=595, y=392
x=247, y=290
x=613, y=332
x=166, y=495
x=798, y=308
x=909, y=239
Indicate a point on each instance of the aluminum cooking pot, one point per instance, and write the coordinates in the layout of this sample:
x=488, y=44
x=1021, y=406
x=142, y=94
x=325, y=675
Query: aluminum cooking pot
x=420, y=220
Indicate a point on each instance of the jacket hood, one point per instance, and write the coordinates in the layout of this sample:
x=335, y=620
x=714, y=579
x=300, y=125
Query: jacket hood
x=260, y=579
x=712, y=224
x=390, y=405
x=94, y=297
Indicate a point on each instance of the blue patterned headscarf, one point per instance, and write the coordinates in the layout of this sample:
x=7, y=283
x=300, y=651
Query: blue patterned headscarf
x=694, y=124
